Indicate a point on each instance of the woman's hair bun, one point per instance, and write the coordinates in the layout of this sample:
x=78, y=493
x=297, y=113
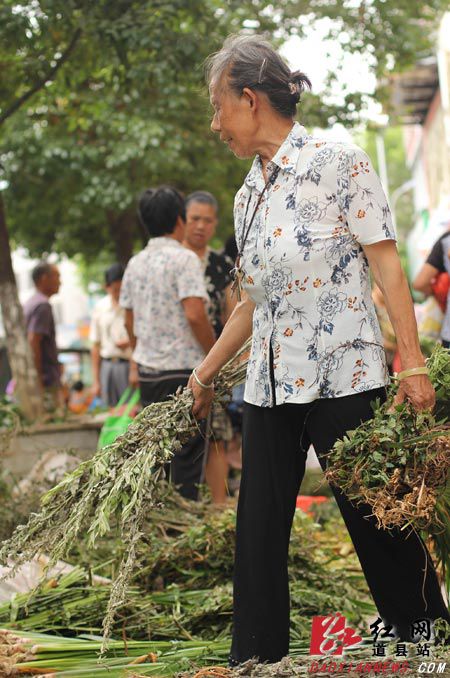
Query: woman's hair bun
x=298, y=82
x=251, y=61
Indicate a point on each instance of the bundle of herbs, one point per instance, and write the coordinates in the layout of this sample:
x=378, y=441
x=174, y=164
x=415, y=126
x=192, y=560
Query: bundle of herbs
x=116, y=487
x=398, y=463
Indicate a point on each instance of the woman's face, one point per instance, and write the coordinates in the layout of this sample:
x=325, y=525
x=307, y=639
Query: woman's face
x=234, y=119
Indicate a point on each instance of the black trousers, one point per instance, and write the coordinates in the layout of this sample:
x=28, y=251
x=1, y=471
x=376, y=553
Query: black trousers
x=187, y=467
x=274, y=446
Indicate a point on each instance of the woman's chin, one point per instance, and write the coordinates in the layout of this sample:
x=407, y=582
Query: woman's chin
x=240, y=153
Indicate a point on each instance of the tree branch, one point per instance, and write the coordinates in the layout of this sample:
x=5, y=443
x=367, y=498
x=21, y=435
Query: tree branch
x=41, y=83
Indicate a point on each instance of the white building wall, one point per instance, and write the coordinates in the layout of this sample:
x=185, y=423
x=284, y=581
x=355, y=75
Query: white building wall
x=428, y=153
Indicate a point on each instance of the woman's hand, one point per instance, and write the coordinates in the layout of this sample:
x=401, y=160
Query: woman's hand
x=419, y=390
x=203, y=398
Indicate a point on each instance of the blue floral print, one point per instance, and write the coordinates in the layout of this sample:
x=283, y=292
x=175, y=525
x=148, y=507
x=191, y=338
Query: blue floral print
x=306, y=270
x=310, y=210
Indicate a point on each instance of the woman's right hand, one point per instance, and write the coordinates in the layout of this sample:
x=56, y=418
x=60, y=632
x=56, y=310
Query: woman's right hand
x=203, y=398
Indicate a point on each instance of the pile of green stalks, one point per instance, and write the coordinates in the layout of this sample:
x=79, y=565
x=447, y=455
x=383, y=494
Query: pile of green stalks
x=183, y=586
x=40, y=654
x=45, y=655
x=115, y=489
x=179, y=605
x=398, y=464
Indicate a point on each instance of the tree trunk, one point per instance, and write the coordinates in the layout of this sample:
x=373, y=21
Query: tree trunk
x=19, y=352
x=123, y=229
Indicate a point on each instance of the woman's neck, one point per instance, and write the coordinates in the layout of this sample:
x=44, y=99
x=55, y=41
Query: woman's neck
x=273, y=136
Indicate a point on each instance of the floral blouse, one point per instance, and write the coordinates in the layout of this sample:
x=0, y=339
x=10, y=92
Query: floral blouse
x=306, y=271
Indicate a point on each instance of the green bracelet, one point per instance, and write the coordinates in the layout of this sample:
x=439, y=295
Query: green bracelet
x=412, y=372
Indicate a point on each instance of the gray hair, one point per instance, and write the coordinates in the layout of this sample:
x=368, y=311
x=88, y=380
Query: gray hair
x=251, y=61
x=41, y=269
x=202, y=197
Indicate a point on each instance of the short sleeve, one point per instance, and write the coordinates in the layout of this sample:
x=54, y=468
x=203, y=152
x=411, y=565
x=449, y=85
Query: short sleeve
x=190, y=278
x=368, y=214
x=126, y=289
x=94, y=331
x=41, y=320
x=436, y=256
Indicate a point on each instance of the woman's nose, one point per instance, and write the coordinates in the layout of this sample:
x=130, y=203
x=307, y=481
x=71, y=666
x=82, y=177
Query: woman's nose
x=215, y=127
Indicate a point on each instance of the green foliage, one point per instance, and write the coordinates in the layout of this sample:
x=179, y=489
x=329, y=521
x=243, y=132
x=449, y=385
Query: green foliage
x=126, y=110
x=123, y=105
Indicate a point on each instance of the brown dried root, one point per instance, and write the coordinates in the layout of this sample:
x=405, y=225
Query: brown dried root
x=411, y=494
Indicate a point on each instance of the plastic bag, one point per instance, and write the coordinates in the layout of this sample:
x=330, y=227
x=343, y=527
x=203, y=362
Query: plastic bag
x=119, y=419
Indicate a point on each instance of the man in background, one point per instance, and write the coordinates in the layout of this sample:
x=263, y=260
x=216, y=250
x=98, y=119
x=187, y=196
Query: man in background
x=111, y=348
x=201, y=224
x=40, y=325
x=164, y=295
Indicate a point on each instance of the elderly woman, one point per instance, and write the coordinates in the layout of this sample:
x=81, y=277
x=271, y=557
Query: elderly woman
x=310, y=219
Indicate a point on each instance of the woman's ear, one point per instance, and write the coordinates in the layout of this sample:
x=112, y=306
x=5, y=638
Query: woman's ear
x=250, y=97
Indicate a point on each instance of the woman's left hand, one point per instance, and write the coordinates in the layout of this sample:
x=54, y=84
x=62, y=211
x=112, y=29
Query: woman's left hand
x=419, y=390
